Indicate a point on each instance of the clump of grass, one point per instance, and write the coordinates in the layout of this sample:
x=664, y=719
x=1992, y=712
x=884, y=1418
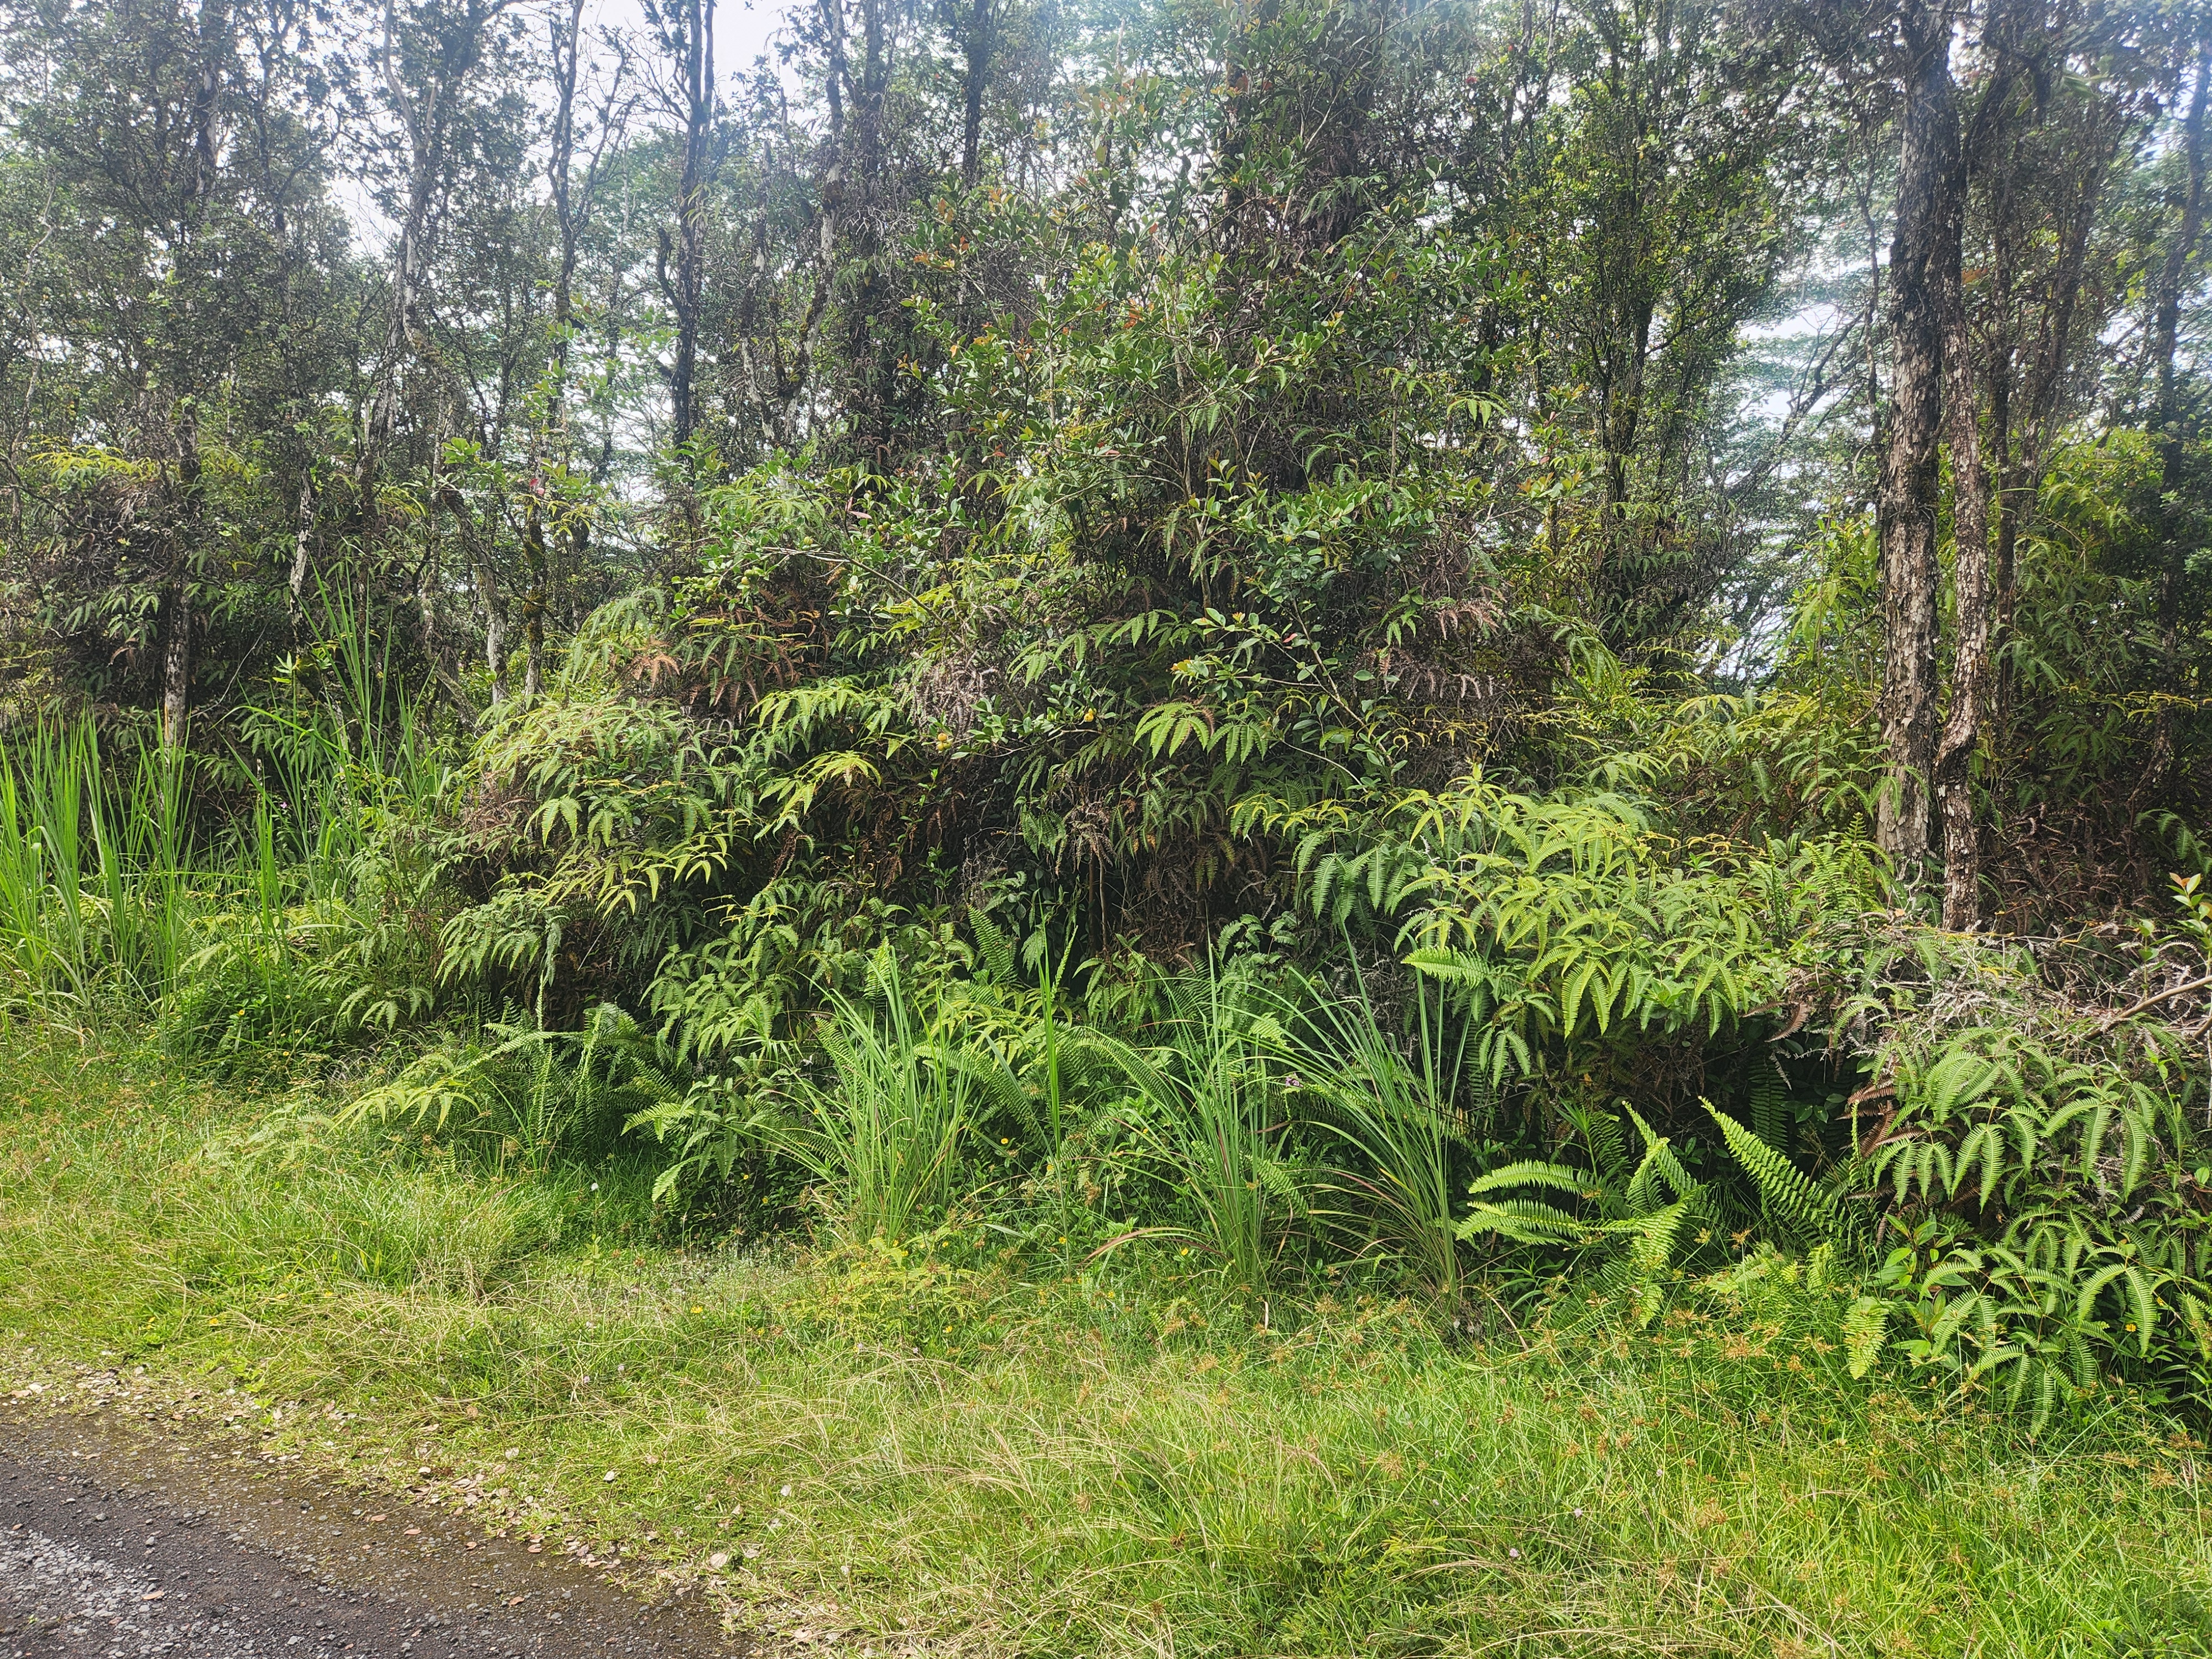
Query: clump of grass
x=1397, y=1108
x=433, y=1228
x=958, y=1445
x=94, y=888
x=519, y=1094
x=1206, y=1119
x=881, y=1134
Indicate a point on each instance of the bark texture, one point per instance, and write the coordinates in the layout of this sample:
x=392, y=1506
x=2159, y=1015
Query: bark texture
x=1927, y=223
x=683, y=268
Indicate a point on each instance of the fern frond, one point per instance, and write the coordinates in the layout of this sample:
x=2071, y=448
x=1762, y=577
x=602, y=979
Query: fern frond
x=1787, y=1194
x=1523, y=1220
x=996, y=949
x=1530, y=1172
x=1866, y=1323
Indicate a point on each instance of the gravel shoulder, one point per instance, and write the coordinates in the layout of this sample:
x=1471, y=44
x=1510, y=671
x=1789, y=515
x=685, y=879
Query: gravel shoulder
x=118, y=1545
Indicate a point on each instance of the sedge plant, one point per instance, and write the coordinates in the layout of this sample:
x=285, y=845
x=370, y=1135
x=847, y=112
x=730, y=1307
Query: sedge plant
x=1395, y=1106
x=1207, y=1118
x=880, y=1133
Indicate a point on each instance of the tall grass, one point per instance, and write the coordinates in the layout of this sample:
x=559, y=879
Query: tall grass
x=117, y=859
x=1208, y=1119
x=1395, y=1105
x=94, y=887
x=881, y=1133
x=347, y=742
x=529, y=1097
x=1218, y=1108
x=1013, y=1459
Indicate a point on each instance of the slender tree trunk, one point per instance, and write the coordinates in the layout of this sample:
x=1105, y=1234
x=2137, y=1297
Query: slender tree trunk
x=1907, y=498
x=567, y=60
x=214, y=25
x=535, y=583
x=874, y=370
x=401, y=339
x=176, y=615
x=295, y=585
x=429, y=572
x=609, y=367
x=789, y=415
x=2173, y=270
x=214, y=28
x=979, y=66
x=495, y=611
x=682, y=288
x=458, y=45
x=2012, y=500
x=2173, y=278
x=176, y=666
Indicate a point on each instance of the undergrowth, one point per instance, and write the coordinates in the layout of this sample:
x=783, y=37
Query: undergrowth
x=969, y=1441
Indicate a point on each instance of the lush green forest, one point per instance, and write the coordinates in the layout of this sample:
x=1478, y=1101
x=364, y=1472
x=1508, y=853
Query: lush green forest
x=1537, y=665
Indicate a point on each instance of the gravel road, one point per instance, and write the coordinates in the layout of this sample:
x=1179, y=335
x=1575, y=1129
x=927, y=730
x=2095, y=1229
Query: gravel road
x=119, y=1551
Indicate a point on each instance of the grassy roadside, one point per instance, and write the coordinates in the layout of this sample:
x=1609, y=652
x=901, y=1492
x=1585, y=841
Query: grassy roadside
x=965, y=1447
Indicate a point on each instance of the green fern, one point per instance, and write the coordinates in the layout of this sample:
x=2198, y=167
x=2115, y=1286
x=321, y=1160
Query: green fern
x=1770, y=1108
x=1634, y=1216
x=996, y=949
x=1787, y=1196
x=1866, y=1325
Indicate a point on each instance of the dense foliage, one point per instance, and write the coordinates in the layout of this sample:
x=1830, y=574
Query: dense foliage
x=1529, y=647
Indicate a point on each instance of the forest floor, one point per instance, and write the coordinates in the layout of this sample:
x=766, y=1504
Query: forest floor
x=977, y=1447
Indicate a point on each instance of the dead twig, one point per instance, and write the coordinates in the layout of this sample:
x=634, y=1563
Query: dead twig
x=2152, y=1001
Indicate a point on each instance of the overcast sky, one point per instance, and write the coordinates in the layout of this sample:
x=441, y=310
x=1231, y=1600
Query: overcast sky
x=741, y=27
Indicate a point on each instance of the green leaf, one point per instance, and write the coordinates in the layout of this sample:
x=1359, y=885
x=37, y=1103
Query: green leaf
x=1866, y=1324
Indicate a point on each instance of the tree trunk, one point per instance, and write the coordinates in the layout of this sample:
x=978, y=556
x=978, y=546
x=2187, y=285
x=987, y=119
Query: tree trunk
x=495, y=611
x=177, y=602
x=2166, y=330
x=683, y=289
x=787, y=416
x=401, y=337
x=2166, y=327
x=535, y=582
x=871, y=414
x=971, y=123
x=1970, y=585
x=176, y=615
x=428, y=123
x=1906, y=503
x=214, y=26
x=296, y=583
x=567, y=212
x=176, y=665
x=567, y=61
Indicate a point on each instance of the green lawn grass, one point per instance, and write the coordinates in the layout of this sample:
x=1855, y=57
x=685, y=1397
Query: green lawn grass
x=968, y=1446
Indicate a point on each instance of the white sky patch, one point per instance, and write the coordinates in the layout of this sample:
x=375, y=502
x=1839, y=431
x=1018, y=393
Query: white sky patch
x=742, y=27
x=743, y=30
